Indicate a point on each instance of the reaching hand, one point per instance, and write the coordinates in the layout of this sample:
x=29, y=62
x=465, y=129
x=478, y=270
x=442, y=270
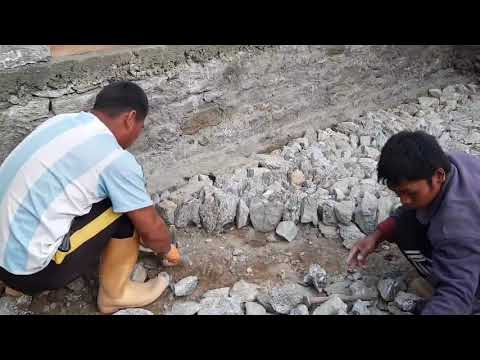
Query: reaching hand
x=360, y=251
x=173, y=257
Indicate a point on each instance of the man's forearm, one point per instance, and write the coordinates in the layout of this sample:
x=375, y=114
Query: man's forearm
x=159, y=240
x=377, y=237
x=386, y=229
x=152, y=229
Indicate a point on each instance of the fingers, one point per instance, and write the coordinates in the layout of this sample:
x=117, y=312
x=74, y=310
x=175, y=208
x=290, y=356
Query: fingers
x=167, y=263
x=352, y=260
x=357, y=258
x=362, y=260
x=173, y=257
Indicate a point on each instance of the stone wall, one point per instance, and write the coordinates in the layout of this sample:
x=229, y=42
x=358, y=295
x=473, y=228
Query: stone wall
x=212, y=107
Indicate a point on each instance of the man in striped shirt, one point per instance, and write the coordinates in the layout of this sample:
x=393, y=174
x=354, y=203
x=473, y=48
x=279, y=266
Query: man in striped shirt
x=72, y=197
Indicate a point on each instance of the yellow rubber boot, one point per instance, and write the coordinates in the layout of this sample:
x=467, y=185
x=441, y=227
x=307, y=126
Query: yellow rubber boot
x=116, y=290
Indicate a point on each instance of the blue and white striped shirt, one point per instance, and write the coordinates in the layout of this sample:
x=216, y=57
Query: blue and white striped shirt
x=57, y=173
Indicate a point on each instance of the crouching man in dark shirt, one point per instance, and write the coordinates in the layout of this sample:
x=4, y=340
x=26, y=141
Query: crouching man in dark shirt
x=437, y=227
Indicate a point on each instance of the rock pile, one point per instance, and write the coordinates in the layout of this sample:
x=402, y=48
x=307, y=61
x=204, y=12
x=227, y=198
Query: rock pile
x=326, y=178
x=353, y=294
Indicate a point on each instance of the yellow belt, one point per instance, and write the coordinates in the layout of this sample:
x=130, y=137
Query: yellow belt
x=87, y=232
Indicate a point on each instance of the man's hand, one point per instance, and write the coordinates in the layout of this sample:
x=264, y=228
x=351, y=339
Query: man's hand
x=360, y=251
x=151, y=229
x=173, y=257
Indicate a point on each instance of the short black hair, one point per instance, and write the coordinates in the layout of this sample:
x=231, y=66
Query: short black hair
x=122, y=96
x=410, y=156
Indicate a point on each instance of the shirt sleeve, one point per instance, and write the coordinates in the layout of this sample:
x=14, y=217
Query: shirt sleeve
x=456, y=265
x=387, y=228
x=124, y=184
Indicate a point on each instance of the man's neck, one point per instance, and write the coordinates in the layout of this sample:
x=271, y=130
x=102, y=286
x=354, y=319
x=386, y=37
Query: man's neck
x=105, y=119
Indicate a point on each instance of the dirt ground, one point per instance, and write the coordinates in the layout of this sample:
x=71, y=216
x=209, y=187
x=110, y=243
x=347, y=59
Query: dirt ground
x=220, y=261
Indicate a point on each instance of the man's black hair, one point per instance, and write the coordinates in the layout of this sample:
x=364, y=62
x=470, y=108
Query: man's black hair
x=410, y=156
x=122, y=96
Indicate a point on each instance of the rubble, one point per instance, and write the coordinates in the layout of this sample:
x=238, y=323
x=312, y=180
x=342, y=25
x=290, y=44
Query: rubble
x=426, y=101
x=394, y=310
x=309, y=210
x=242, y=214
x=253, y=308
x=264, y=299
x=329, y=232
x=293, y=206
x=287, y=230
x=166, y=209
x=187, y=213
x=285, y=298
x=265, y=214
x=317, y=276
x=350, y=234
x=139, y=273
x=385, y=206
x=272, y=162
x=339, y=288
x=388, y=288
x=297, y=178
x=134, y=312
x=244, y=291
x=406, y=301
x=291, y=183
x=217, y=292
x=184, y=308
x=360, y=308
x=186, y=286
x=328, y=212
x=217, y=209
x=344, y=211
x=77, y=285
x=299, y=310
x=360, y=289
x=375, y=311
x=435, y=93
x=366, y=213
x=339, y=194
x=10, y=305
x=333, y=306
x=220, y=305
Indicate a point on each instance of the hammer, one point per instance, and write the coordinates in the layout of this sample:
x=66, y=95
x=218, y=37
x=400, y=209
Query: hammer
x=315, y=300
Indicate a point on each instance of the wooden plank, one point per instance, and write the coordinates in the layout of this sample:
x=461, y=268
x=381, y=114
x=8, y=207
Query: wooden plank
x=66, y=50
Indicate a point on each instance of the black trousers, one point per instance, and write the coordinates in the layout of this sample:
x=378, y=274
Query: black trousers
x=92, y=233
x=411, y=237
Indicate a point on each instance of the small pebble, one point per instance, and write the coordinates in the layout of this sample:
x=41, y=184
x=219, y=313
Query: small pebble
x=237, y=252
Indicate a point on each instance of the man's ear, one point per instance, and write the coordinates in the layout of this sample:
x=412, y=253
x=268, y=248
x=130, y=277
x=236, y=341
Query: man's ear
x=130, y=119
x=439, y=176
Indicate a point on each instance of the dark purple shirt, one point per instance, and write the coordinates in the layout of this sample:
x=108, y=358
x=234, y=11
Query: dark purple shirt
x=454, y=234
